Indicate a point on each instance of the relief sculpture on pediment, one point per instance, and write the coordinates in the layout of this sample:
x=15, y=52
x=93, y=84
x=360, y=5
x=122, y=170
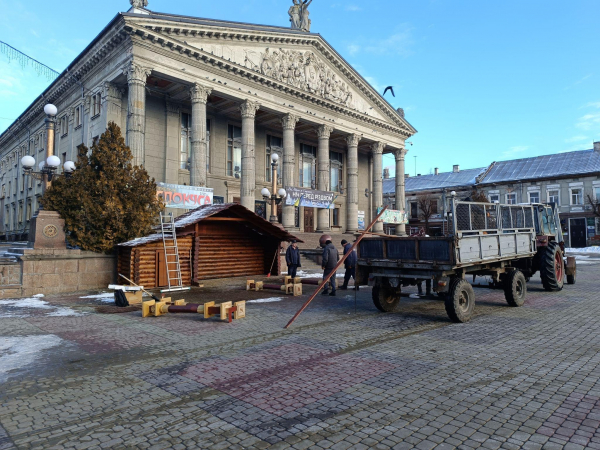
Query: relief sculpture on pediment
x=302, y=70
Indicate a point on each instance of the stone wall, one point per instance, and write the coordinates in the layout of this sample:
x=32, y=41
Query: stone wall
x=51, y=272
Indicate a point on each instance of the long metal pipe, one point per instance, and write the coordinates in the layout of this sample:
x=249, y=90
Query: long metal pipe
x=339, y=264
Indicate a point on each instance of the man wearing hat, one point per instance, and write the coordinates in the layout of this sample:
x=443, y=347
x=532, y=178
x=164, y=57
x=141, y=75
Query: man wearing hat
x=349, y=264
x=292, y=258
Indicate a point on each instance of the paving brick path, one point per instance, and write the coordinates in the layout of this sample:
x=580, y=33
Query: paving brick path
x=343, y=376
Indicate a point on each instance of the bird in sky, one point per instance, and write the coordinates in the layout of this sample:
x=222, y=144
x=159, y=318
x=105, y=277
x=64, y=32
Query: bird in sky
x=389, y=88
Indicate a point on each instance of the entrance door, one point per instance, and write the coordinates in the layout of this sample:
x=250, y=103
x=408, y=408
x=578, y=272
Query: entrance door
x=309, y=220
x=577, y=233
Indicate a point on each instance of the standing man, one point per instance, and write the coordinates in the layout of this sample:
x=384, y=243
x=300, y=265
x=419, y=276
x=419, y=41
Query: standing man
x=349, y=264
x=330, y=260
x=292, y=258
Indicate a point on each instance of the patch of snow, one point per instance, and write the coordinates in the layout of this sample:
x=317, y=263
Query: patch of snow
x=595, y=249
x=265, y=300
x=39, y=295
x=20, y=351
x=24, y=304
x=101, y=295
x=414, y=296
x=106, y=297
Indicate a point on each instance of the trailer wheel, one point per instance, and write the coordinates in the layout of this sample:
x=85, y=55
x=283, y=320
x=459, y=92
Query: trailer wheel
x=386, y=298
x=515, y=288
x=552, y=267
x=460, y=302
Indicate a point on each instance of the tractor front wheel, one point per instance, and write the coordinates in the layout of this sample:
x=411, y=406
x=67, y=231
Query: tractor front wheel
x=552, y=267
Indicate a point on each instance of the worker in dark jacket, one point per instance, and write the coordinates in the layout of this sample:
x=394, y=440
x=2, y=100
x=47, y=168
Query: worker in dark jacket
x=330, y=260
x=349, y=264
x=292, y=258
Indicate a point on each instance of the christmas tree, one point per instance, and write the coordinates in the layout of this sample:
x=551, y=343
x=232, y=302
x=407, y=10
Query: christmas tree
x=106, y=200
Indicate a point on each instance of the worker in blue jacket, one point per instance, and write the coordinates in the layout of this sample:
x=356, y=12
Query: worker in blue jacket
x=349, y=264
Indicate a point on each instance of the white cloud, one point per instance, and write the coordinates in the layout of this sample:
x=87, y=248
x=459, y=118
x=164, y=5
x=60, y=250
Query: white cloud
x=592, y=105
x=352, y=8
x=398, y=43
x=589, y=121
x=513, y=151
x=581, y=80
x=576, y=139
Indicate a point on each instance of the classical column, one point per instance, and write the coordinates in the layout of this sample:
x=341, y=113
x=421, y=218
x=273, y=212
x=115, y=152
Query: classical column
x=136, y=114
x=111, y=103
x=352, y=184
x=199, y=95
x=400, y=194
x=288, y=123
x=248, y=178
x=323, y=132
x=377, y=149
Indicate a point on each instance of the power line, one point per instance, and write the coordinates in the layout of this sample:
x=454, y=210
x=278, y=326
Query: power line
x=26, y=60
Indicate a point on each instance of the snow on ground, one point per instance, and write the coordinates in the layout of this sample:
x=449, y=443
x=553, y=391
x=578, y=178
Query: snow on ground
x=20, y=351
x=303, y=274
x=25, y=307
x=595, y=249
x=107, y=297
x=265, y=300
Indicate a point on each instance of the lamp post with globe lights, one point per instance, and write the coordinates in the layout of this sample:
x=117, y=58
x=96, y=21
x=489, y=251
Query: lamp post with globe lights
x=47, y=228
x=277, y=196
x=48, y=167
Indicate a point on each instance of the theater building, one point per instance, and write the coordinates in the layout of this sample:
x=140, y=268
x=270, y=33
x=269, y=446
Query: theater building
x=206, y=103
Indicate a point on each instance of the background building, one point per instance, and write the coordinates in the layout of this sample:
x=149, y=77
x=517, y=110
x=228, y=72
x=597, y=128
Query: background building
x=568, y=180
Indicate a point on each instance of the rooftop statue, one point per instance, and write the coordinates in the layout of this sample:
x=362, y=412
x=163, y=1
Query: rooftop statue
x=299, y=15
x=139, y=3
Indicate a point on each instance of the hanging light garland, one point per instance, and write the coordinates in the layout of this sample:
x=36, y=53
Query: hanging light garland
x=25, y=60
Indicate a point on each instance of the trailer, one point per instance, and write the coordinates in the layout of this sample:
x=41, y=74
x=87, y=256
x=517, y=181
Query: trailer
x=509, y=243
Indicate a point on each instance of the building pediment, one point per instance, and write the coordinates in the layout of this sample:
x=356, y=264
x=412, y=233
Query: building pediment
x=285, y=59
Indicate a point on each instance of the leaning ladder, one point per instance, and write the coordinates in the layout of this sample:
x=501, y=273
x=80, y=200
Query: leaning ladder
x=169, y=236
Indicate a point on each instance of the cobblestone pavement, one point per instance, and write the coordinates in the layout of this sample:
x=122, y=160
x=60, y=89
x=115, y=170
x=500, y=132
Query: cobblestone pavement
x=344, y=375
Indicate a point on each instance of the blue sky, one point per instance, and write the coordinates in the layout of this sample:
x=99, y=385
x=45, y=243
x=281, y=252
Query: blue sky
x=481, y=81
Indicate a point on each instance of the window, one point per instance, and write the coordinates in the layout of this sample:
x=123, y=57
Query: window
x=7, y=218
x=554, y=197
x=597, y=194
x=20, y=214
x=22, y=182
x=336, y=169
x=576, y=196
x=28, y=210
x=414, y=210
x=234, y=151
x=217, y=200
x=335, y=217
x=96, y=104
x=308, y=168
x=434, y=206
x=3, y=191
x=494, y=198
x=64, y=126
x=511, y=199
x=77, y=117
x=534, y=197
x=274, y=145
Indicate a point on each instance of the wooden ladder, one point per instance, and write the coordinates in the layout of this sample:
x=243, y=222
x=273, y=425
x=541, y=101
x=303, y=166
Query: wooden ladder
x=169, y=237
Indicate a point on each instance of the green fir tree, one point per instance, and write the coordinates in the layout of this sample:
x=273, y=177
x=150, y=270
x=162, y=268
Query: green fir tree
x=107, y=200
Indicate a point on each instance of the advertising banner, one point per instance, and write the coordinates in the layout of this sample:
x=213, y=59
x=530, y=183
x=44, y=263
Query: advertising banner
x=393, y=216
x=184, y=197
x=309, y=198
x=361, y=220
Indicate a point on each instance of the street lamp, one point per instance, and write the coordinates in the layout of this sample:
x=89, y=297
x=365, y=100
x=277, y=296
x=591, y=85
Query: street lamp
x=277, y=196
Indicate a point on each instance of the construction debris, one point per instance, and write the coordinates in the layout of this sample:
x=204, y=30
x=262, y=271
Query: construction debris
x=226, y=311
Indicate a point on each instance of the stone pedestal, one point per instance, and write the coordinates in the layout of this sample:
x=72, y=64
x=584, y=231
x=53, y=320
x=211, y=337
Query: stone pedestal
x=47, y=231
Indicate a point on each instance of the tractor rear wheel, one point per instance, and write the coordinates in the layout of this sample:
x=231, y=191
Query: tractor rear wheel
x=552, y=267
x=460, y=302
x=515, y=288
x=385, y=297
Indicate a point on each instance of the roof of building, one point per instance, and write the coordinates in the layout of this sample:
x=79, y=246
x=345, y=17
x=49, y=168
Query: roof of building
x=545, y=166
x=253, y=221
x=444, y=180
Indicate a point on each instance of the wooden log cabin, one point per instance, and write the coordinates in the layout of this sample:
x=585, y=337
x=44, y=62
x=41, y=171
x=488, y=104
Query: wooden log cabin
x=215, y=241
